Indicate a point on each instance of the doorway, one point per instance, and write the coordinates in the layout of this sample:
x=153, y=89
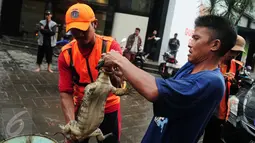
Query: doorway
x=10, y=20
x=157, y=22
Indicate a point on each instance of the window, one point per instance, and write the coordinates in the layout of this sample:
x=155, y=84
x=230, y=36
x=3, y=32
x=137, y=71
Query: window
x=141, y=5
x=98, y=1
x=135, y=6
x=32, y=12
x=101, y=16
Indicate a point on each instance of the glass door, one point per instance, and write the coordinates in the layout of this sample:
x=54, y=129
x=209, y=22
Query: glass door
x=101, y=17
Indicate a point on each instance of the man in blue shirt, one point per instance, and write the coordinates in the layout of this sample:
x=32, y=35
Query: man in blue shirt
x=183, y=104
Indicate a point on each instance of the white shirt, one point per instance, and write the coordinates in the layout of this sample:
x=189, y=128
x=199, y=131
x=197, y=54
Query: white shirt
x=134, y=47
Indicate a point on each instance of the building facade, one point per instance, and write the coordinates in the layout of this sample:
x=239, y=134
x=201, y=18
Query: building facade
x=180, y=19
x=117, y=18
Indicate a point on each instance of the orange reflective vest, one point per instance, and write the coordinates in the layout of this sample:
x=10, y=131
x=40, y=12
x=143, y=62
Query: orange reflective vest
x=223, y=109
x=84, y=69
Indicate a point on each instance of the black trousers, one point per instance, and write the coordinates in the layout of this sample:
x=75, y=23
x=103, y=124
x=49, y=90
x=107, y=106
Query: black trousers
x=110, y=124
x=213, y=130
x=44, y=50
x=152, y=51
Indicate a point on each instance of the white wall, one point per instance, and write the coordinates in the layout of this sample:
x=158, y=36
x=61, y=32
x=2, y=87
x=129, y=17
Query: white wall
x=125, y=24
x=180, y=19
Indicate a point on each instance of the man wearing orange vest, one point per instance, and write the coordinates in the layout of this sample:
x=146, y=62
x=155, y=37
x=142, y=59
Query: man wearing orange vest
x=77, y=68
x=230, y=69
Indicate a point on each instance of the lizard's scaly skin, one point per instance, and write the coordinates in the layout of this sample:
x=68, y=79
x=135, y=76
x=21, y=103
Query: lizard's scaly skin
x=91, y=112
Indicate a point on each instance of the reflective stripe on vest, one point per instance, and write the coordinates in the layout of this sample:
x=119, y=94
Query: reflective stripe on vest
x=84, y=69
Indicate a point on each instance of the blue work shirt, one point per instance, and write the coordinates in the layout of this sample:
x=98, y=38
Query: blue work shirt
x=184, y=105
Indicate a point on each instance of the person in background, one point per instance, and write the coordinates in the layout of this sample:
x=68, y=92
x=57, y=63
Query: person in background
x=65, y=35
x=77, y=68
x=151, y=42
x=47, y=40
x=183, y=104
x=133, y=45
x=63, y=32
x=174, y=44
x=229, y=68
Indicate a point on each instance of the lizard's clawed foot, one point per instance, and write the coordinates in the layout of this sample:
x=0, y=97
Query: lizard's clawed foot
x=99, y=135
x=119, y=91
x=103, y=137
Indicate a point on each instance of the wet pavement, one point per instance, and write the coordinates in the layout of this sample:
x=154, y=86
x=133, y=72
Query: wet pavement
x=30, y=101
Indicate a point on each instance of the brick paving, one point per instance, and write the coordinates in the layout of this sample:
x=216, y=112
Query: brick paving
x=32, y=100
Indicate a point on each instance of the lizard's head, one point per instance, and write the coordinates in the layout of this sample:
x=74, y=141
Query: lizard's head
x=100, y=64
x=100, y=68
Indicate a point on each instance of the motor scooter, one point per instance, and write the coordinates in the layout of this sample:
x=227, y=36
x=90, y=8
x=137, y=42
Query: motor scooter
x=65, y=40
x=169, y=67
x=240, y=127
x=139, y=58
